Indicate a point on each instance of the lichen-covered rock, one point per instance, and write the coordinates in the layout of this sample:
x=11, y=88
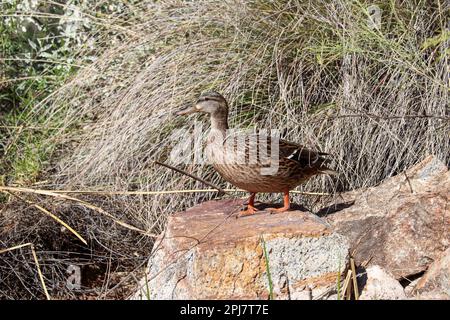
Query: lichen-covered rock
x=206, y=253
x=403, y=224
x=381, y=285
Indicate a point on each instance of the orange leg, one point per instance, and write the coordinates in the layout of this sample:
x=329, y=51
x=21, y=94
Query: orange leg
x=285, y=206
x=250, y=207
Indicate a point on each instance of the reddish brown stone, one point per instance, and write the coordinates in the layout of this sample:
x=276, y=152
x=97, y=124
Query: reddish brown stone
x=403, y=224
x=207, y=253
x=436, y=281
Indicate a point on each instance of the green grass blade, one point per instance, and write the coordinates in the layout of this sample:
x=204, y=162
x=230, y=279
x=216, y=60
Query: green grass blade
x=269, y=277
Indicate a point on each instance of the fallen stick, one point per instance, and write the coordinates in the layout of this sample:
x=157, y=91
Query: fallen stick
x=219, y=189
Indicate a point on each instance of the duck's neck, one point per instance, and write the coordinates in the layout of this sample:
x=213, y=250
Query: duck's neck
x=219, y=122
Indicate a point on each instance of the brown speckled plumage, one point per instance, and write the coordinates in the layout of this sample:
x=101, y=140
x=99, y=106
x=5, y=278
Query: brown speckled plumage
x=296, y=164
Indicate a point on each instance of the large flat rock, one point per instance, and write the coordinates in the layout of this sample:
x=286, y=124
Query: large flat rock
x=403, y=224
x=206, y=253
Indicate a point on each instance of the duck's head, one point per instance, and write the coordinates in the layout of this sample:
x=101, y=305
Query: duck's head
x=209, y=102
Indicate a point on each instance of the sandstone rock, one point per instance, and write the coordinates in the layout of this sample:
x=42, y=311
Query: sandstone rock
x=381, y=285
x=403, y=224
x=205, y=253
x=436, y=281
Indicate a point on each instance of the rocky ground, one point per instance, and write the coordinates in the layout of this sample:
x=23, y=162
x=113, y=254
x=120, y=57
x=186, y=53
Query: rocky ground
x=397, y=233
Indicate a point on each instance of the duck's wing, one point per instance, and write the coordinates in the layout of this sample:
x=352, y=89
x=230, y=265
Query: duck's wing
x=290, y=153
x=305, y=157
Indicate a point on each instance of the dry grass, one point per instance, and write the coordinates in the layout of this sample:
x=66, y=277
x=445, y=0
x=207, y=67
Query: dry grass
x=375, y=99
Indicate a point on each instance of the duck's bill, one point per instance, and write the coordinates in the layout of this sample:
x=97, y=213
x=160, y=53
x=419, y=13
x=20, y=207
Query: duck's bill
x=185, y=111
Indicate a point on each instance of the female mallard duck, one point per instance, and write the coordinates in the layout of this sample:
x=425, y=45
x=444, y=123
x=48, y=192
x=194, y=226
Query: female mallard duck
x=243, y=159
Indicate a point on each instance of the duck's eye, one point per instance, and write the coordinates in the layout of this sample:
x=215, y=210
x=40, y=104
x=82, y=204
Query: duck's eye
x=203, y=99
